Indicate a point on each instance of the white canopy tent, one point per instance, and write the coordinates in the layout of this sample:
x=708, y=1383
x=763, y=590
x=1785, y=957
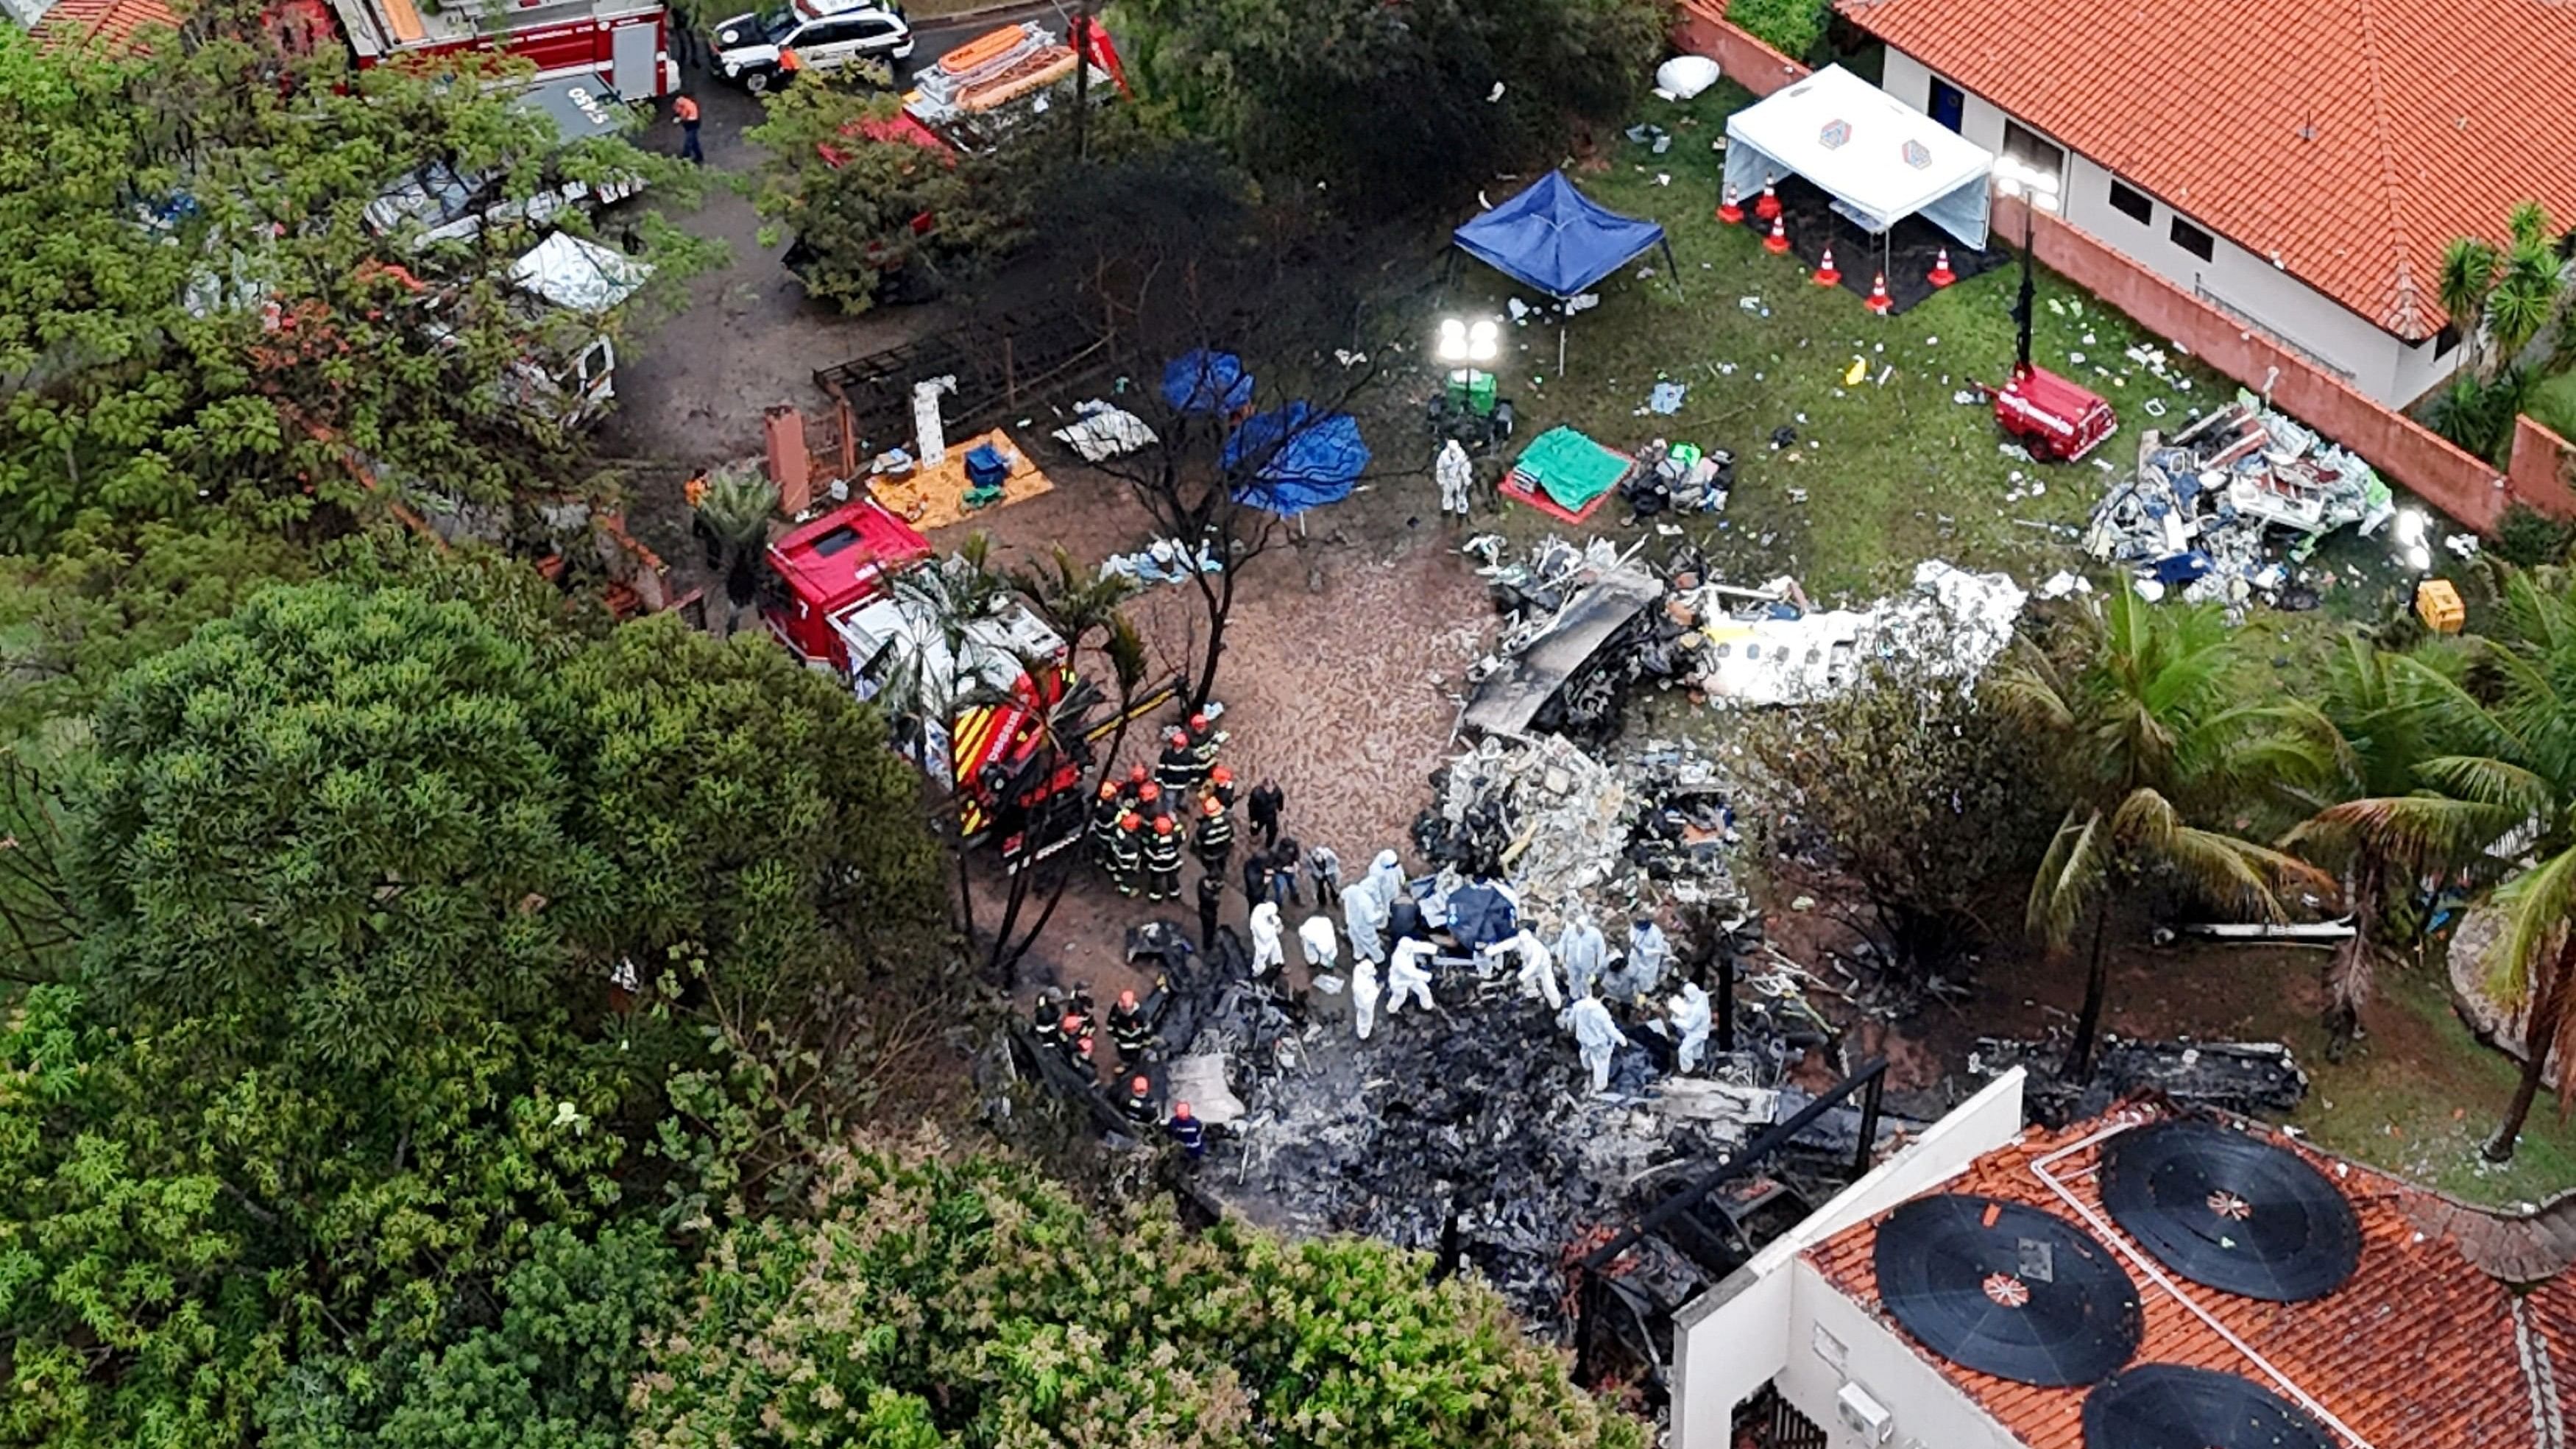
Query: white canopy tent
x=1880, y=159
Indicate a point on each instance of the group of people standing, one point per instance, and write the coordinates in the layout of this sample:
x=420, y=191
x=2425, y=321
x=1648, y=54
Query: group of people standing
x=1141, y=825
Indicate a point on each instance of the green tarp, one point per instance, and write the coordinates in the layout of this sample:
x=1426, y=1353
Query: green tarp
x=1571, y=467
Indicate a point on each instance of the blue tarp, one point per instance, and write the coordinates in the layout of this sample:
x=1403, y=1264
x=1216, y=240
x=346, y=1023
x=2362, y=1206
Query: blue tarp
x=1309, y=460
x=1480, y=915
x=1200, y=381
x=1556, y=239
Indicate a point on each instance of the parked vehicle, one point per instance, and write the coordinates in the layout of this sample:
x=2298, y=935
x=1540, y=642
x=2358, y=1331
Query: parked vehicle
x=449, y=203
x=584, y=282
x=626, y=43
x=826, y=36
x=972, y=706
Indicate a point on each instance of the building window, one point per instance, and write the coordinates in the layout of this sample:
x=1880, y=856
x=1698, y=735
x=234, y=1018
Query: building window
x=1949, y=104
x=2193, y=240
x=2446, y=340
x=2132, y=204
x=2025, y=146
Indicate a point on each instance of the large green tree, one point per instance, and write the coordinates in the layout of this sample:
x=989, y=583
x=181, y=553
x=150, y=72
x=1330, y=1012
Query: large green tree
x=1388, y=102
x=412, y=926
x=2502, y=798
x=934, y=1302
x=195, y=311
x=2148, y=727
x=1918, y=791
x=875, y=207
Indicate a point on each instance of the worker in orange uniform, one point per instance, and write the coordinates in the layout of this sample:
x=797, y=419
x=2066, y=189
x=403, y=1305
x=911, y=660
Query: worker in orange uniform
x=687, y=111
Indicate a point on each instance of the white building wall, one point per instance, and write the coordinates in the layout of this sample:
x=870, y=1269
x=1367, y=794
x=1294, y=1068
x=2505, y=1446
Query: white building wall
x=2376, y=362
x=1738, y=1336
x=1835, y=1342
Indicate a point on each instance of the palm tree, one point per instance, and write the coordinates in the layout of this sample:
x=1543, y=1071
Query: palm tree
x=736, y=509
x=2525, y=296
x=2506, y=798
x=2150, y=724
x=2377, y=728
x=2469, y=267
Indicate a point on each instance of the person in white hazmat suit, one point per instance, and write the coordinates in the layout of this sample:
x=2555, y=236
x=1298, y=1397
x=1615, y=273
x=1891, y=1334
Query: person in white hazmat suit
x=1581, y=950
x=1316, y=941
x=1409, y=974
x=1385, y=881
x=1456, y=477
x=1366, y=921
x=1364, y=994
x=1643, y=971
x=1267, y=954
x=1538, y=969
x=1688, y=1012
x=1596, y=1036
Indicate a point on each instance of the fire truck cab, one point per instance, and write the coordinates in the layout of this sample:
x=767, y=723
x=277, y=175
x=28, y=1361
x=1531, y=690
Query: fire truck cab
x=969, y=707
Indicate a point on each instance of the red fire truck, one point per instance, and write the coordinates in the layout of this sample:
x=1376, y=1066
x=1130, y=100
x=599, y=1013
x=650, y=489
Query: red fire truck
x=975, y=702
x=625, y=43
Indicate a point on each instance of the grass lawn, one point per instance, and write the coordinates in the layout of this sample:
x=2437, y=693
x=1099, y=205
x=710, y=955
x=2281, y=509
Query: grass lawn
x=1886, y=475
x=1883, y=475
x=2420, y=1094
x=2553, y=404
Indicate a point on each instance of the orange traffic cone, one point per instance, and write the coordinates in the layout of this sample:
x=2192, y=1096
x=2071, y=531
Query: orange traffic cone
x=1826, y=276
x=1728, y=211
x=1778, y=241
x=1879, y=301
x=1768, y=208
x=1941, y=275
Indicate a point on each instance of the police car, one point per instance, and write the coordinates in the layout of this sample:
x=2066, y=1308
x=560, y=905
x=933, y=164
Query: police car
x=826, y=35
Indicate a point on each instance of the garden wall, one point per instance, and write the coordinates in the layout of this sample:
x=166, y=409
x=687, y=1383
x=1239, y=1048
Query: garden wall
x=2461, y=484
x=1702, y=30
x=2540, y=471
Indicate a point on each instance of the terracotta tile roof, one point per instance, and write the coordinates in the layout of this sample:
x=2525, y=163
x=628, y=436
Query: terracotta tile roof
x=2352, y=138
x=2417, y=1350
x=109, y=23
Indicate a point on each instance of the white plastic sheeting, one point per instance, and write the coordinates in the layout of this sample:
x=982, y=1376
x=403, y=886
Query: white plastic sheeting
x=1881, y=158
x=1685, y=76
x=579, y=276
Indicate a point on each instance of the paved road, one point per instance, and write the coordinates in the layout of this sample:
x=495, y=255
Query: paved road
x=693, y=392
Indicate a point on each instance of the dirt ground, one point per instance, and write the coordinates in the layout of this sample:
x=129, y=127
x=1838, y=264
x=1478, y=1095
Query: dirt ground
x=1343, y=657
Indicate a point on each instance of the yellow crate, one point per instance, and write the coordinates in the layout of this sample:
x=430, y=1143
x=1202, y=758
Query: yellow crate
x=2438, y=605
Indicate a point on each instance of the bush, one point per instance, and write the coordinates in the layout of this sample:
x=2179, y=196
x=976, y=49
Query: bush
x=935, y=1303
x=1795, y=28
x=2478, y=416
x=2529, y=537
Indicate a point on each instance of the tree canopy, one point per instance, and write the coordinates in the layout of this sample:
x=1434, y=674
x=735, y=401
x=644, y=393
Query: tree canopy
x=197, y=312
x=930, y=1302
x=408, y=924
x=1386, y=104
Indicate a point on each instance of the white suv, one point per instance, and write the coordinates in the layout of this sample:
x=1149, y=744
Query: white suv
x=826, y=35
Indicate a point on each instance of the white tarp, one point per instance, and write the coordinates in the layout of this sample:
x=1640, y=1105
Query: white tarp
x=1879, y=157
x=578, y=275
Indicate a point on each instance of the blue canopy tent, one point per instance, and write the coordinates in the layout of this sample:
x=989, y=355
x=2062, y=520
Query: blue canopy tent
x=1301, y=459
x=1201, y=381
x=1560, y=241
